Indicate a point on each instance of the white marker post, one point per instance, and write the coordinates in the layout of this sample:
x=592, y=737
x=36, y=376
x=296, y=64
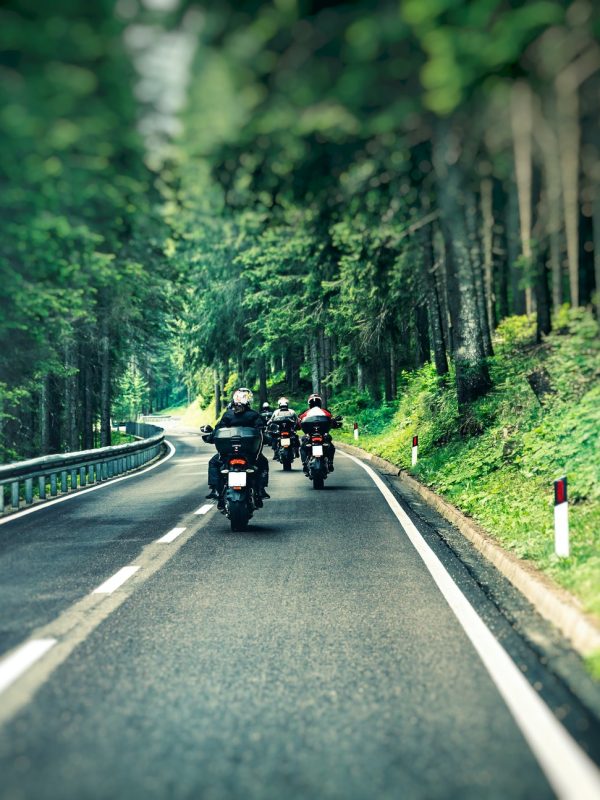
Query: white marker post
x=561, y=518
x=356, y=431
x=415, y=450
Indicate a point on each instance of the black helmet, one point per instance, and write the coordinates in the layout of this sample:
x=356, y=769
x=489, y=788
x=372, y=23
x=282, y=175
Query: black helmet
x=315, y=400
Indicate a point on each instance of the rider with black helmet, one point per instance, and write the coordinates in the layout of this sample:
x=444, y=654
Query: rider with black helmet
x=315, y=400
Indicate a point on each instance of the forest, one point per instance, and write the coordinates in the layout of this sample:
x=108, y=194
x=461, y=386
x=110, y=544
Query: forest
x=317, y=195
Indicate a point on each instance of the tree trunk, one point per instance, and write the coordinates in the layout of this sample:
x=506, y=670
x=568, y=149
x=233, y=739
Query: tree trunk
x=500, y=253
x=262, y=381
x=393, y=372
x=70, y=408
x=522, y=124
x=487, y=233
x=45, y=415
x=474, y=256
x=433, y=303
x=568, y=136
x=542, y=296
x=517, y=304
x=423, y=349
x=596, y=222
x=314, y=364
x=217, y=394
x=472, y=376
x=87, y=433
x=105, y=432
x=360, y=377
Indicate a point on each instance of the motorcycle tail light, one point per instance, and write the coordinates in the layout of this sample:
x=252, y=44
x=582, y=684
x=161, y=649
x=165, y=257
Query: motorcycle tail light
x=317, y=438
x=238, y=461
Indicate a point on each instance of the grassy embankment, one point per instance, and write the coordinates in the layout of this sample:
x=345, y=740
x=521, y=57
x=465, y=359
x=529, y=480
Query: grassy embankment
x=501, y=472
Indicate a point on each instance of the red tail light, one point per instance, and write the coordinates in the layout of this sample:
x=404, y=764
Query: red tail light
x=317, y=438
x=285, y=433
x=238, y=461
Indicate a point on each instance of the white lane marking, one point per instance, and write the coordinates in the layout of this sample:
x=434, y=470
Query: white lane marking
x=570, y=772
x=171, y=535
x=204, y=509
x=80, y=492
x=118, y=579
x=24, y=657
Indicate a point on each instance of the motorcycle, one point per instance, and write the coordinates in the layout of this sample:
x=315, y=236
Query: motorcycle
x=285, y=442
x=317, y=441
x=239, y=448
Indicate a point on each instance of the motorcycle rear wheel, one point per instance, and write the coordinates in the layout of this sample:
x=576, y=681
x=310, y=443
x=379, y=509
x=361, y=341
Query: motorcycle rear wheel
x=238, y=517
x=318, y=482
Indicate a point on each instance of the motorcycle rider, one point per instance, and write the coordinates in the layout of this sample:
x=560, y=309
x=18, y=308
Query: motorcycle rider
x=240, y=414
x=315, y=400
x=266, y=412
x=287, y=414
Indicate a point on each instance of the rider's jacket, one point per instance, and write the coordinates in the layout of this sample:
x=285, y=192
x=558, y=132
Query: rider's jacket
x=282, y=414
x=323, y=411
x=248, y=418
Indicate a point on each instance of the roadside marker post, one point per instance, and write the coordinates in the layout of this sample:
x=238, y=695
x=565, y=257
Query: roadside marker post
x=356, y=431
x=415, y=450
x=561, y=518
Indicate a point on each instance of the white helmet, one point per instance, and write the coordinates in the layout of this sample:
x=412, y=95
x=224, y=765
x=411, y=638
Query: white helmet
x=242, y=397
x=283, y=402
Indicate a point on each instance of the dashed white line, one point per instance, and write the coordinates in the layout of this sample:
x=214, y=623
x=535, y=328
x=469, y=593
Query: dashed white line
x=24, y=657
x=570, y=771
x=118, y=579
x=204, y=509
x=171, y=535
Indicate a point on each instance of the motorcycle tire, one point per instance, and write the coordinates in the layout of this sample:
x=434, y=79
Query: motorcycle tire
x=287, y=466
x=318, y=482
x=238, y=517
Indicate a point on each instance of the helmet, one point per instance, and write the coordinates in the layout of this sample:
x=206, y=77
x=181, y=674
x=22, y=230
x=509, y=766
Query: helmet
x=315, y=400
x=266, y=407
x=242, y=397
x=283, y=402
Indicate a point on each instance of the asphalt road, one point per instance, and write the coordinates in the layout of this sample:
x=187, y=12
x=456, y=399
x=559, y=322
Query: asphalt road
x=314, y=656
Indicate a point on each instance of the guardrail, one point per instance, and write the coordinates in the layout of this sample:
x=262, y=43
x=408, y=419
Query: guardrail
x=66, y=472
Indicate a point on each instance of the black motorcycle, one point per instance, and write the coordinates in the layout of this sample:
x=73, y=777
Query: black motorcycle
x=316, y=443
x=285, y=442
x=239, y=448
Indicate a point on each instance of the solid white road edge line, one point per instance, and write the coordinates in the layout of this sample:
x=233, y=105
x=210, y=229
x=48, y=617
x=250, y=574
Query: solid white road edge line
x=118, y=579
x=80, y=492
x=171, y=535
x=204, y=509
x=15, y=665
x=570, y=772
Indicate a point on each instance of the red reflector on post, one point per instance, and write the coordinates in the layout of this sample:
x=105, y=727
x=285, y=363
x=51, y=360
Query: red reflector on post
x=356, y=426
x=415, y=441
x=560, y=491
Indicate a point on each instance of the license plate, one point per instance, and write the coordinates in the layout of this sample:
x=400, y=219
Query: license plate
x=285, y=442
x=317, y=449
x=237, y=478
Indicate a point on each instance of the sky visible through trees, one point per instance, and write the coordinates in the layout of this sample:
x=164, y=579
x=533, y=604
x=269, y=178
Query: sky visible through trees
x=200, y=192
